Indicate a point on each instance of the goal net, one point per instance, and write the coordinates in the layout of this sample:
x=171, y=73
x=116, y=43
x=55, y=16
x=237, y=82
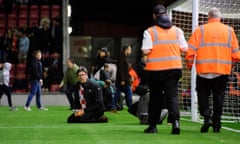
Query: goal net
x=181, y=14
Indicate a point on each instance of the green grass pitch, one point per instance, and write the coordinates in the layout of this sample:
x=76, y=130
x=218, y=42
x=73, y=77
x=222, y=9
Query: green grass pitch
x=50, y=127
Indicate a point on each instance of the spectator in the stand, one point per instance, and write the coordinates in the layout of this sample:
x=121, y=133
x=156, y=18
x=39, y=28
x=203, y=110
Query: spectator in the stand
x=70, y=79
x=3, y=50
x=7, y=39
x=10, y=43
x=56, y=34
x=14, y=46
x=55, y=73
x=44, y=39
x=46, y=81
x=33, y=30
x=24, y=28
x=34, y=43
x=23, y=47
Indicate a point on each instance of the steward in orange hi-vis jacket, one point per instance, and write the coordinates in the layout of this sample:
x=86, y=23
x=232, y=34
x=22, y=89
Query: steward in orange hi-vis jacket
x=166, y=52
x=162, y=44
x=215, y=47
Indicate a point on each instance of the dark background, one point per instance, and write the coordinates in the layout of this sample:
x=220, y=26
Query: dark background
x=102, y=17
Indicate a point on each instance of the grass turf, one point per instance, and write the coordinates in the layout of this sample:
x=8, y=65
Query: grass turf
x=50, y=127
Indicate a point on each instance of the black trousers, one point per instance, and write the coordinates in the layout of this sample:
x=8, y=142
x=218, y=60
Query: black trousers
x=215, y=87
x=163, y=86
x=70, y=95
x=5, y=89
x=88, y=117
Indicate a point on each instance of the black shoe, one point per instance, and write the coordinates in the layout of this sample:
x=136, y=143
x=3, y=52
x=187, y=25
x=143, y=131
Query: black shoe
x=205, y=127
x=216, y=127
x=175, y=127
x=150, y=130
x=102, y=119
x=216, y=130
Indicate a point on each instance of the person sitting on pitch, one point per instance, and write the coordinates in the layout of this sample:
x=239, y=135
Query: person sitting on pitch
x=88, y=101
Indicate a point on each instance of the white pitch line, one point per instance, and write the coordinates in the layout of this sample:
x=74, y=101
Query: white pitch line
x=83, y=125
x=226, y=128
x=69, y=126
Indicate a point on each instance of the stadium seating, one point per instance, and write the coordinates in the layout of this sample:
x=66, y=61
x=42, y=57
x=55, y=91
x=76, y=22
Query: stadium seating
x=55, y=11
x=44, y=10
x=12, y=20
x=26, y=14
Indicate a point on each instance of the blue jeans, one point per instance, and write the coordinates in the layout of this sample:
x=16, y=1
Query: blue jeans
x=35, y=90
x=126, y=89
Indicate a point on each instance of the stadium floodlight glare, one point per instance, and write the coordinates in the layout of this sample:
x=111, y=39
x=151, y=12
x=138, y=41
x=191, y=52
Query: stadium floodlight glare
x=69, y=10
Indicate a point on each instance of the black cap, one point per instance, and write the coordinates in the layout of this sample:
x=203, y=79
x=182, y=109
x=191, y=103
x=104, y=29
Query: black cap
x=104, y=49
x=159, y=9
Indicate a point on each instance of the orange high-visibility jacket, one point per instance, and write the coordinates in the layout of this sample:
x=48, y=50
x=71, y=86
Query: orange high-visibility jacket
x=165, y=53
x=215, y=46
x=135, y=79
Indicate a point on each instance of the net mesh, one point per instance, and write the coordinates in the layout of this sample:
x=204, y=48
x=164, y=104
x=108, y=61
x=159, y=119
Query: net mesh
x=181, y=14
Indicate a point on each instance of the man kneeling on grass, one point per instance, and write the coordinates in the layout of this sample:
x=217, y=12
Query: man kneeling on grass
x=88, y=101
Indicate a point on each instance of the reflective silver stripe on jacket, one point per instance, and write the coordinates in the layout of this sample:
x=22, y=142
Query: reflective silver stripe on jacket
x=156, y=41
x=203, y=44
x=213, y=61
x=192, y=47
x=164, y=59
x=235, y=50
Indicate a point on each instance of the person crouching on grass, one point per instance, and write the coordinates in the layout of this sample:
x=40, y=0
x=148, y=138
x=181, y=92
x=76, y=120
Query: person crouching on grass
x=88, y=100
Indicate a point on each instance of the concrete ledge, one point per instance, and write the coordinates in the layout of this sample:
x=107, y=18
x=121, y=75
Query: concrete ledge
x=47, y=99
